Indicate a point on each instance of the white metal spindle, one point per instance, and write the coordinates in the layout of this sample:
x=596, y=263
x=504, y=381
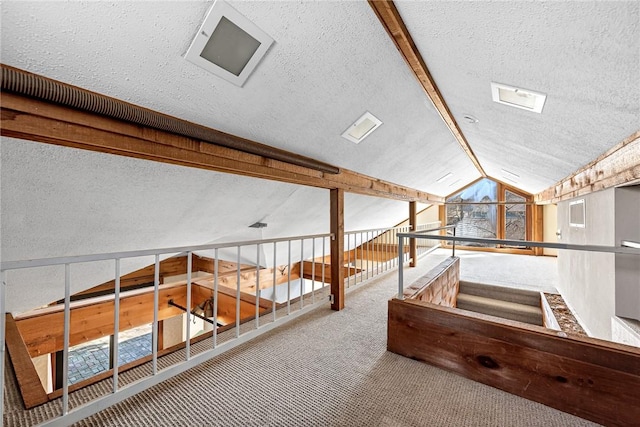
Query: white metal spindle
x=368, y=253
x=386, y=250
x=378, y=252
x=361, y=258
x=215, y=298
x=257, y=285
x=313, y=270
x=324, y=240
x=301, y=274
x=188, y=341
x=289, y=281
x=273, y=296
x=400, y=264
x=348, y=242
x=238, y=295
x=65, y=351
x=154, y=337
x=116, y=326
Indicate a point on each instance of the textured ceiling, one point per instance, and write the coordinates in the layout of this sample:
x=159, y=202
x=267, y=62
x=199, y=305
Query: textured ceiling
x=331, y=62
x=584, y=55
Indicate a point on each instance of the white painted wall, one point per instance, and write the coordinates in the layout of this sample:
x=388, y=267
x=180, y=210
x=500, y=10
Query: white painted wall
x=549, y=227
x=587, y=279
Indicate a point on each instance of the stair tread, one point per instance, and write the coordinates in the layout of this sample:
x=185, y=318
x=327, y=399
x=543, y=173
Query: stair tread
x=515, y=295
x=495, y=303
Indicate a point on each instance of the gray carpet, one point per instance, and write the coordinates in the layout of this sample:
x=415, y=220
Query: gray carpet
x=324, y=369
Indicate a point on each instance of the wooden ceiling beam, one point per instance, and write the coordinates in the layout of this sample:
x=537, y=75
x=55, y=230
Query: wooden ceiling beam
x=36, y=120
x=389, y=16
x=618, y=166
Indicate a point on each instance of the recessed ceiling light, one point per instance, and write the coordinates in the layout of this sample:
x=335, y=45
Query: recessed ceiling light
x=362, y=128
x=517, y=97
x=228, y=44
x=454, y=182
x=445, y=177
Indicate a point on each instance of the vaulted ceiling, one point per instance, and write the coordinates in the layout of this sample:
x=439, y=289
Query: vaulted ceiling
x=331, y=62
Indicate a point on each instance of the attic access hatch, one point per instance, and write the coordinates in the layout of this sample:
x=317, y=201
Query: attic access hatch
x=228, y=44
x=517, y=97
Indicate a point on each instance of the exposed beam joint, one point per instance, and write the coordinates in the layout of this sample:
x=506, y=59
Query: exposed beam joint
x=392, y=22
x=618, y=166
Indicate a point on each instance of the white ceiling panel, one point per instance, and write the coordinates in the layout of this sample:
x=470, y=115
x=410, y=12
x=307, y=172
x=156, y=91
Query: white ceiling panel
x=584, y=55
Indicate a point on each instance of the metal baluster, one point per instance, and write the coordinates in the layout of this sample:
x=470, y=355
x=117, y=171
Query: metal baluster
x=324, y=240
x=368, y=254
x=257, y=285
x=188, y=342
x=65, y=351
x=313, y=270
x=301, y=273
x=238, y=295
x=289, y=281
x=348, y=260
x=215, y=298
x=400, y=264
x=116, y=326
x=273, y=296
x=154, y=344
x=361, y=258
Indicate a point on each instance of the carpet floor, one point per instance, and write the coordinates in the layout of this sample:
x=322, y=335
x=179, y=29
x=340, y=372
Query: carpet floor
x=327, y=369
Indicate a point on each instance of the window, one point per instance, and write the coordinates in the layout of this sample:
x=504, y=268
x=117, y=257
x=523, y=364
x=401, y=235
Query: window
x=515, y=223
x=492, y=210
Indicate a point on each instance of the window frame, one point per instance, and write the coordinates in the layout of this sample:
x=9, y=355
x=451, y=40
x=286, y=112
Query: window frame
x=501, y=218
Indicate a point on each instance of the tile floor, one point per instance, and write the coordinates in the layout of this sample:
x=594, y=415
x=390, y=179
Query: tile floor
x=87, y=360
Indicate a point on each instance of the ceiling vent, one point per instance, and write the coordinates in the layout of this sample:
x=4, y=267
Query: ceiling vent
x=510, y=176
x=228, y=44
x=362, y=128
x=444, y=177
x=519, y=98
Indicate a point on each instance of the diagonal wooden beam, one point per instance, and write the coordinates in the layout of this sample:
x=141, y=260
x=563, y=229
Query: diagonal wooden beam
x=392, y=22
x=618, y=166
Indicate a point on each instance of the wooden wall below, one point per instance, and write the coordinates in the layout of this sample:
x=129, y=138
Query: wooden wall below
x=593, y=379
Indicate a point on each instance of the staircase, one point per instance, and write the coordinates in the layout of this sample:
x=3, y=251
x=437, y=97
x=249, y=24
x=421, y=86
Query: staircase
x=509, y=303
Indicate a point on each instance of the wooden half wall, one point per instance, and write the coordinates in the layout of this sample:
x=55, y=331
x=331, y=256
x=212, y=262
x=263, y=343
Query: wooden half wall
x=593, y=379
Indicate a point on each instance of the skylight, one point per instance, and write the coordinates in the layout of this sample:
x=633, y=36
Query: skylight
x=362, y=128
x=228, y=44
x=519, y=98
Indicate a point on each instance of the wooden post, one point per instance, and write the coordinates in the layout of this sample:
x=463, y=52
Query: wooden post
x=413, y=244
x=337, y=248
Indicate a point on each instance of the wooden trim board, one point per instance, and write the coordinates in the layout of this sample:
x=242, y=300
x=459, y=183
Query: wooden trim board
x=618, y=166
x=31, y=389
